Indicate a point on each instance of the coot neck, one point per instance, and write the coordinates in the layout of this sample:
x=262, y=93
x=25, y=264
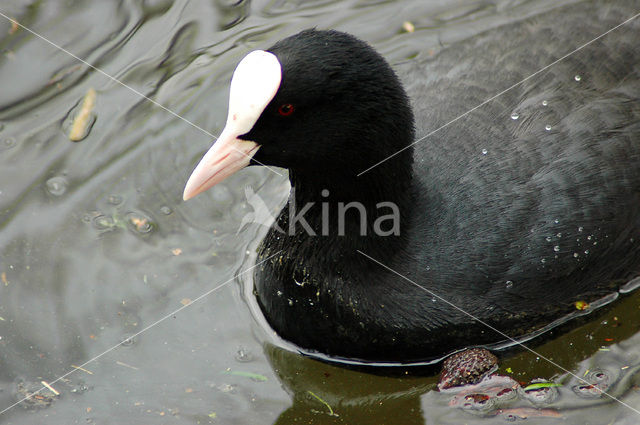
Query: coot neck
x=370, y=211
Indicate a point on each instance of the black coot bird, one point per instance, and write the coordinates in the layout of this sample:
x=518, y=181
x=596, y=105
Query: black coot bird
x=513, y=213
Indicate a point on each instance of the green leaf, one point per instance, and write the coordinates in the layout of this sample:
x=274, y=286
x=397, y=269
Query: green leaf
x=539, y=385
x=255, y=376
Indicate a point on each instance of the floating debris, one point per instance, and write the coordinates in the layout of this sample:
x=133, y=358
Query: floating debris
x=408, y=27
x=119, y=363
x=14, y=26
x=527, y=412
x=539, y=385
x=84, y=119
x=140, y=223
x=60, y=75
x=32, y=395
x=82, y=369
x=250, y=375
x=331, y=412
x=49, y=387
x=581, y=305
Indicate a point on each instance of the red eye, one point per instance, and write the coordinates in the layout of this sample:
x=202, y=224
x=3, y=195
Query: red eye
x=285, y=110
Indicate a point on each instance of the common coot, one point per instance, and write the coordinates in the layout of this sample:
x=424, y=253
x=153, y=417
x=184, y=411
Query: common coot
x=511, y=214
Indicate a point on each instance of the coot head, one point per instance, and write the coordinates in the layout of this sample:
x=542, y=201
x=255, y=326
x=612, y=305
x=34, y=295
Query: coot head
x=319, y=102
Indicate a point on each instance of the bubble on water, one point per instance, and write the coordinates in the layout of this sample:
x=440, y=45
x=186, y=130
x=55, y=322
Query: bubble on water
x=103, y=222
x=484, y=151
x=128, y=341
x=576, y=255
x=7, y=143
x=556, y=248
x=515, y=116
x=79, y=388
x=115, y=199
x=577, y=77
x=166, y=210
x=57, y=186
x=556, y=221
x=547, y=127
x=545, y=103
x=548, y=238
x=559, y=234
x=509, y=284
x=243, y=355
x=580, y=229
x=542, y=260
x=598, y=382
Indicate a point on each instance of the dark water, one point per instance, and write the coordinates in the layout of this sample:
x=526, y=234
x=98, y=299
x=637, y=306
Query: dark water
x=96, y=244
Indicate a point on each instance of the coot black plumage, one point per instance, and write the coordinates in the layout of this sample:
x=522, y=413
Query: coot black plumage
x=513, y=213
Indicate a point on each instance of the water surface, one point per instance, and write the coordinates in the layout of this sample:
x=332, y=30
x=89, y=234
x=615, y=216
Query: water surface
x=96, y=244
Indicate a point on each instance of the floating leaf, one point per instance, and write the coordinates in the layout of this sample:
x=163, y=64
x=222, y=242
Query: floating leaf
x=254, y=376
x=539, y=385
